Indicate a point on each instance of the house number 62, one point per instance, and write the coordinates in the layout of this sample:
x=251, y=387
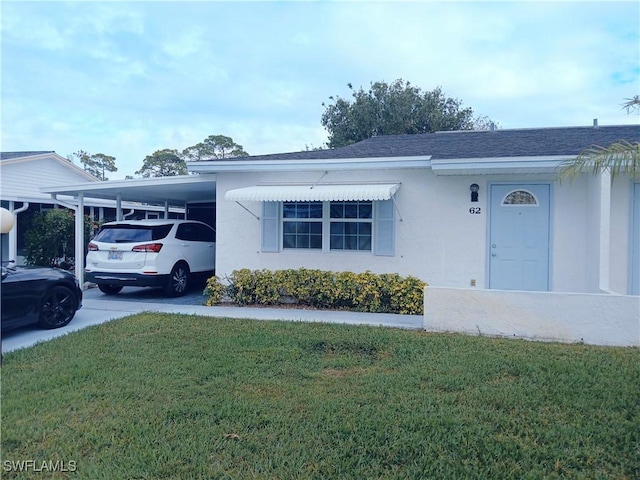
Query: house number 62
x=475, y=210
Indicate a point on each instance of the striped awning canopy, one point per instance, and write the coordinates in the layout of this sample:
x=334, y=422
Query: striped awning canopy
x=313, y=193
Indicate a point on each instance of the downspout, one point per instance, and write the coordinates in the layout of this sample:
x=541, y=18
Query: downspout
x=119, y=207
x=13, y=234
x=79, y=253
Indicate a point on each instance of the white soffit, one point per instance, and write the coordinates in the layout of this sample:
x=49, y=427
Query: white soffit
x=504, y=165
x=313, y=193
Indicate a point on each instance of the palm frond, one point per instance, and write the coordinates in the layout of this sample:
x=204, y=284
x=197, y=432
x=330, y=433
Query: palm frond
x=618, y=158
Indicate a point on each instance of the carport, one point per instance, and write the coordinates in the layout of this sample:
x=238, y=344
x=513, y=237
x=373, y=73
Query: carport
x=195, y=193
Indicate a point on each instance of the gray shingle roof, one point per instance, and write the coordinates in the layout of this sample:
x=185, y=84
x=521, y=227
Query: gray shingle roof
x=10, y=155
x=474, y=144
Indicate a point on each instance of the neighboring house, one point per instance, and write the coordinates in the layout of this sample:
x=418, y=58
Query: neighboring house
x=23, y=174
x=475, y=211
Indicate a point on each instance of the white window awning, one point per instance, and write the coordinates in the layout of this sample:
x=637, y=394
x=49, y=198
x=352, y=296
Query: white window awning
x=313, y=193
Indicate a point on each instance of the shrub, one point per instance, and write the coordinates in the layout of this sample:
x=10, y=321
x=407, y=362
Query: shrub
x=215, y=291
x=364, y=292
x=242, y=286
x=50, y=238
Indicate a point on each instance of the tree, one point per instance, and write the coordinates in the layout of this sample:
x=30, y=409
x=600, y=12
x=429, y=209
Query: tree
x=396, y=108
x=97, y=164
x=621, y=157
x=214, y=147
x=484, y=123
x=50, y=238
x=163, y=163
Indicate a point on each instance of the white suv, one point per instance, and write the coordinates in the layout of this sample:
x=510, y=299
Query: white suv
x=150, y=253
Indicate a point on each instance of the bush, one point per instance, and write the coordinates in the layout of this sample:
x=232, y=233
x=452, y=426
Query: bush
x=50, y=238
x=215, y=291
x=363, y=292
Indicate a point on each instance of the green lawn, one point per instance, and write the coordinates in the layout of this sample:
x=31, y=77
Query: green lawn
x=173, y=396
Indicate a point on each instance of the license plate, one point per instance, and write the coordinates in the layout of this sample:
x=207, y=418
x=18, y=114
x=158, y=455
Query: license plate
x=114, y=256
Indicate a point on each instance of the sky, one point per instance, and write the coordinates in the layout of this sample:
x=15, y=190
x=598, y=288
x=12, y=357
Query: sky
x=128, y=78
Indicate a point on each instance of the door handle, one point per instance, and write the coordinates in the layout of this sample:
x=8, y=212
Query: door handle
x=494, y=254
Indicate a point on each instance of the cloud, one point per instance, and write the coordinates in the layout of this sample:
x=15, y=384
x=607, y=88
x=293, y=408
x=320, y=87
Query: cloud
x=128, y=78
x=184, y=44
x=493, y=52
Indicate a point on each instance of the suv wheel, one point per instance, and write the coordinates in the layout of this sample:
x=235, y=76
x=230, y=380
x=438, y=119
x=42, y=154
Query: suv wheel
x=109, y=289
x=178, y=280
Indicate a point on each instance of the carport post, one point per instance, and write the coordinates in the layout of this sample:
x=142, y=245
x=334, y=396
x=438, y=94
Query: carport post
x=119, y=207
x=166, y=209
x=79, y=253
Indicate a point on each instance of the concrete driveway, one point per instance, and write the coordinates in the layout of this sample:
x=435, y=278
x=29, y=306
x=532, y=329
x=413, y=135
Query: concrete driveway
x=99, y=308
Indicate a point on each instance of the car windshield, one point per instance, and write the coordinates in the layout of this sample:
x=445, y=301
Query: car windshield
x=132, y=233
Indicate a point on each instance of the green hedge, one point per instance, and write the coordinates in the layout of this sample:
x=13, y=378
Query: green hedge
x=362, y=292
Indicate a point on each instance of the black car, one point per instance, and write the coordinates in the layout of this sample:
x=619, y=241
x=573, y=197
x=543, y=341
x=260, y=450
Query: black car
x=49, y=297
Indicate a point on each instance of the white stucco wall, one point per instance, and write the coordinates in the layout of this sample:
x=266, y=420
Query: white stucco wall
x=597, y=319
x=569, y=238
x=437, y=239
x=620, y=241
x=592, y=235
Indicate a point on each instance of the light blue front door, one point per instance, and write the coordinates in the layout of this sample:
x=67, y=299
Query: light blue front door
x=635, y=239
x=519, y=237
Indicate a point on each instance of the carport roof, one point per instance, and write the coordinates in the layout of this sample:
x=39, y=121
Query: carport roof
x=175, y=191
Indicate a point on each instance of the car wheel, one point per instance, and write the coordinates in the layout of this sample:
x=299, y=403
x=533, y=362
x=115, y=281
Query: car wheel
x=178, y=280
x=109, y=289
x=58, y=307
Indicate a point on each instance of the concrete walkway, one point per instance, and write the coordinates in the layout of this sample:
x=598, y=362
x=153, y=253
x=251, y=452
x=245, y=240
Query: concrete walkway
x=99, y=308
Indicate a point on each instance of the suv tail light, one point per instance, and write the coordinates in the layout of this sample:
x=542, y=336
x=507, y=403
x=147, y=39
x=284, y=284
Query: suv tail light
x=92, y=247
x=148, y=247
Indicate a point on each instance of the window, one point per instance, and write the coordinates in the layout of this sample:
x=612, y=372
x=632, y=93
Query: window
x=520, y=197
x=302, y=225
x=132, y=233
x=351, y=224
x=195, y=232
x=365, y=226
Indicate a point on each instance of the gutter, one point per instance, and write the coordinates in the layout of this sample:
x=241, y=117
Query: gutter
x=322, y=165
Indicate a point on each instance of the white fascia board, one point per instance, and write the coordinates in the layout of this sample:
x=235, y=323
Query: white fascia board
x=309, y=165
x=128, y=184
x=22, y=198
x=89, y=202
x=502, y=165
x=46, y=199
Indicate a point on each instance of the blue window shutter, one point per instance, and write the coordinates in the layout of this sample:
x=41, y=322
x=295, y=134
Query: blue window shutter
x=270, y=227
x=385, y=235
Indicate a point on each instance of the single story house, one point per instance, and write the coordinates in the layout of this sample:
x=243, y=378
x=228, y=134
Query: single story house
x=465, y=211
x=23, y=174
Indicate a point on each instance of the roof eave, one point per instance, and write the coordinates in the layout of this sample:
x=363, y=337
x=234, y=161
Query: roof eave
x=334, y=164
x=503, y=165
x=60, y=159
x=130, y=183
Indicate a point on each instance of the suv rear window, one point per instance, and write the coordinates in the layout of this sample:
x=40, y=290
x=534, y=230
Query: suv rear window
x=131, y=233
